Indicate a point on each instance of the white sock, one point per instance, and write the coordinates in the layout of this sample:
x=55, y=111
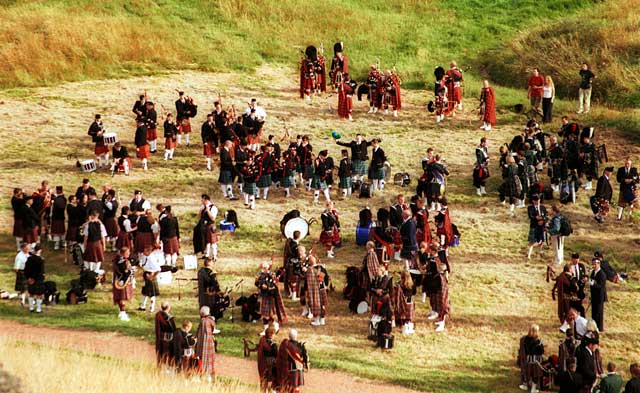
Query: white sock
x=529, y=252
x=174, y=259
x=18, y=242
x=266, y=192
x=144, y=164
x=224, y=189
x=344, y=192
x=179, y=139
x=326, y=194
x=246, y=199
x=23, y=297
x=258, y=192
x=144, y=302
x=186, y=139
x=287, y=192
x=620, y=210
x=252, y=201
x=32, y=303
x=214, y=250
x=152, y=146
x=166, y=154
x=171, y=155
x=208, y=160
x=230, y=190
x=152, y=307
x=38, y=304
x=207, y=250
x=316, y=194
x=381, y=184
x=99, y=161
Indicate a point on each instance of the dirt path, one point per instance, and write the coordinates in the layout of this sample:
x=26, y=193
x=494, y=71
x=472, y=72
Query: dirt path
x=111, y=344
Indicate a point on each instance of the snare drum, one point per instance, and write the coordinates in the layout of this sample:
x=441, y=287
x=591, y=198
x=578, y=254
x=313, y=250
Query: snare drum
x=165, y=278
x=88, y=166
x=227, y=226
x=187, y=352
x=110, y=138
x=363, y=307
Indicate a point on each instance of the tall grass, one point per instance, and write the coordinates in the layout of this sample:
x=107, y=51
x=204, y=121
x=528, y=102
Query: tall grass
x=44, y=42
x=606, y=36
x=51, y=369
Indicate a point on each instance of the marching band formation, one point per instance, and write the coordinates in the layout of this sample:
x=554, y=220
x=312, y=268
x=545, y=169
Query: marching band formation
x=417, y=233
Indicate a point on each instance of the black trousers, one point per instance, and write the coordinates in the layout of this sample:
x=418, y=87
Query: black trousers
x=547, y=110
x=597, y=314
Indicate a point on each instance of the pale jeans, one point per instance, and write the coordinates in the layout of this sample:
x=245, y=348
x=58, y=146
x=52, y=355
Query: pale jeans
x=584, y=100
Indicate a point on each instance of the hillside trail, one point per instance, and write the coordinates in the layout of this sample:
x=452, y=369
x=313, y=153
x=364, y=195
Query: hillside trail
x=245, y=370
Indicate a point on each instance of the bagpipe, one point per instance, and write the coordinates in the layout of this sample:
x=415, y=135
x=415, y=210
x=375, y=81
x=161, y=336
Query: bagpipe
x=269, y=281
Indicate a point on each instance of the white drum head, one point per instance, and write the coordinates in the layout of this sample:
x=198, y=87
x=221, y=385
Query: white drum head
x=415, y=271
x=296, y=224
x=363, y=307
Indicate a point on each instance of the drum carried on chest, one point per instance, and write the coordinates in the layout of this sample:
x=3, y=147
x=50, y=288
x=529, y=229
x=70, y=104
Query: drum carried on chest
x=110, y=138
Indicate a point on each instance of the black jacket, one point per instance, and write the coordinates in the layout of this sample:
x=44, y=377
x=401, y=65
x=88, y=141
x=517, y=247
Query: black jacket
x=569, y=382
x=358, y=150
x=586, y=365
x=531, y=212
x=599, y=288
x=603, y=189
x=141, y=136
x=169, y=228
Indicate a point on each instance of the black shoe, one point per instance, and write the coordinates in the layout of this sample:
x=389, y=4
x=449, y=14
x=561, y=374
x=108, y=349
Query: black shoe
x=142, y=309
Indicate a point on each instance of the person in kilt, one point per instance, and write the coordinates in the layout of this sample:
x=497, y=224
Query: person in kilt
x=627, y=177
x=290, y=364
x=305, y=159
x=241, y=156
x=125, y=229
x=271, y=305
x=530, y=354
x=58, y=209
x=151, y=268
x=18, y=266
x=436, y=280
x=289, y=159
x=481, y=169
x=358, y=155
x=391, y=94
x=122, y=278
x=602, y=198
x=94, y=242
x=487, y=106
x=17, y=205
x=403, y=303
x=184, y=346
x=511, y=187
x=376, y=167
x=267, y=354
x=344, y=173
x=316, y=291
x=205, y=344
x=266, y=162
x=380, y=290
x=346, y=90
x=227, y=170
x=34, y=276
x=146, y=227
x=170, y=237
x=30, y=223
x=537, y=223
x=165, y=327
x=209, y=140
x=330, y=235
x=170, y=137
x=250, y=172
x=319, y=182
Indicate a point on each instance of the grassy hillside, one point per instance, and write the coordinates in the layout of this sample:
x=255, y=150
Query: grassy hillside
x=606, y=36
x=45, y=42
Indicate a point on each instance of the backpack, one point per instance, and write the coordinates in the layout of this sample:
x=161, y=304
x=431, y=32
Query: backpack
x=565, y=226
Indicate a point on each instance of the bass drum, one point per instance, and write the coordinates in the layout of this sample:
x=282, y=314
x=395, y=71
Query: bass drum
x=296, y=224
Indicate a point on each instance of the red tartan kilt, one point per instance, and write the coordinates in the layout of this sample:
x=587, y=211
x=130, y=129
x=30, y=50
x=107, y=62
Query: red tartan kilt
x=394, y=101
x=152, y=134
x=120, y=167
x=143, y=152
x=57, y=227
x=185, y=127
x=254, y=139
x=99, y=150
x=30, y=236
x=307, y=84
x=170, y=143
x=72, y=234
x=457, y=94
x=345, y=106
x=208, y=149
x=330, y=238
x=17, y=228
x=212, y=237
x=144, y=239
x=124, y=240
x=125, y=294
x=111, y=225
x=171, y=246
x=324, y=299
x=94, y=252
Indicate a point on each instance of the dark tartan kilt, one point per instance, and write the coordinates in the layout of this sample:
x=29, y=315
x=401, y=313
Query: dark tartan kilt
x=267, y=306
x=324, y=301
x=534, y=372
x=150, y=288
x=17, y=227
x=171, y=246
x=152, y=134
x=123, y=240
x=72, y=234
x=208, y=149
x=536, y=234
x=287, y=181
x=211, y=235
x=170, y=143
x=37, y=288
x=307, y=171
x=434, y=188
x=94, y=252
x=249, y=188
x=439, y=300
x=111, y=225
x=225, y=177
x=377, y=174
x=21, y=282
x=627, y=197
x=125, y=294
x=345, y=182
x=143, y=152
x=30, y=236
x=99, y=150
x=317, y=183
x=300, y=168
x=144, y=239
x=408, y=314
x=295, y=378
x=264, y=181
x=359, y=167
x=57, y=227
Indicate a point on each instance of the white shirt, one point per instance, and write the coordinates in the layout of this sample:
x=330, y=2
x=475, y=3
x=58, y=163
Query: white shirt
x=150, y=263
x=103, y=230
x=21, y=259
x=581, y=326
x=127, y=225
x=547, y=92
x=260, y=113
x=213, y=209
x=146, y=205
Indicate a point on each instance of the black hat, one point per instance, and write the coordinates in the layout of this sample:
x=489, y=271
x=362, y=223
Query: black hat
x=518, y=108
x=535, y=197
x=608, y=169
x=597, y=254
x=98, y=116
x=323, y=153
x=271, y=137
x=137, y=192
x=254, y=100
x=37, y=248
x=595, y=259
x=181, y=93
x=338, y=47
x=344, y=151
x=27, y=198
x=85, y=181
x=58, y=189
x=575, y=255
